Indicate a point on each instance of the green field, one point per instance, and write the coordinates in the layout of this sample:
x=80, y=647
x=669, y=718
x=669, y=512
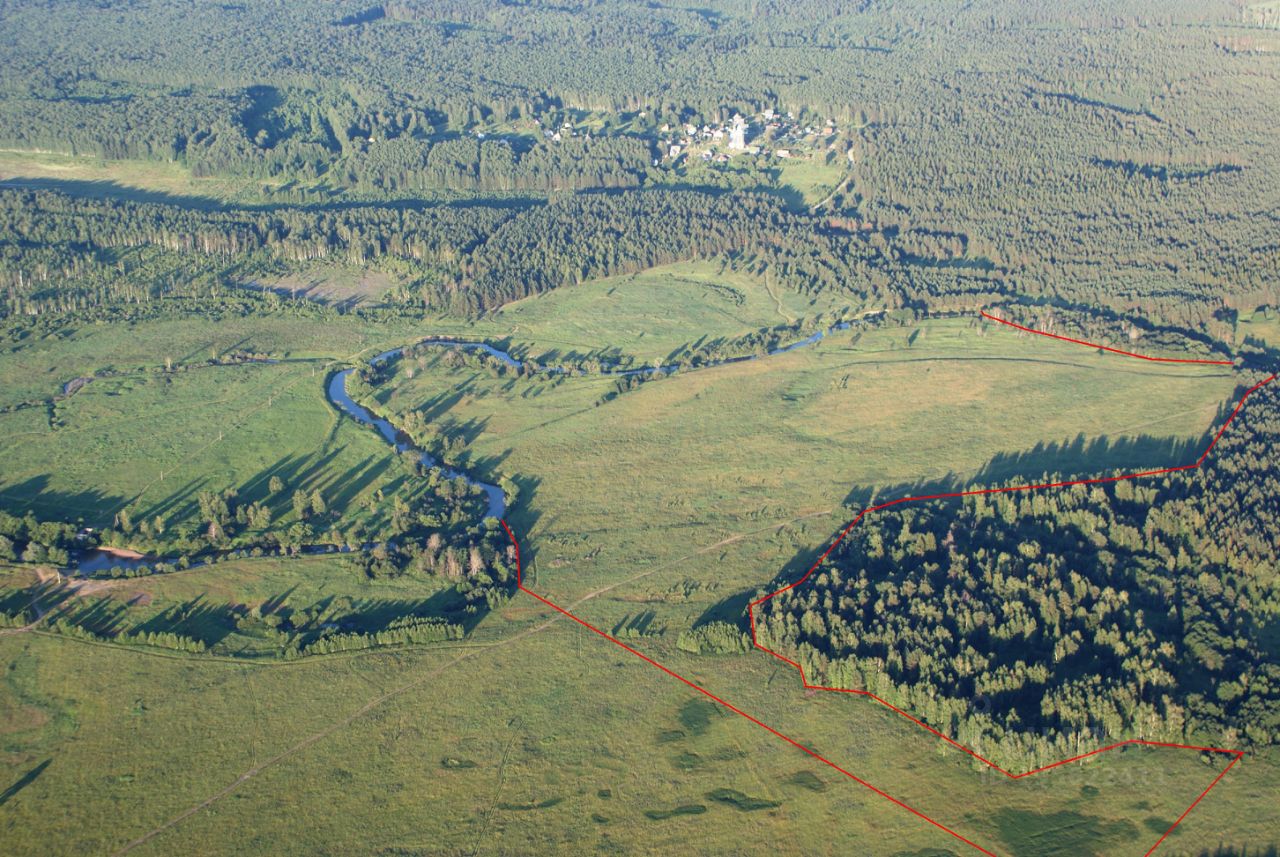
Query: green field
x=545, y=742
x=128, y=179
x=730, y=449
x=1263, y=324
x=36, y=364
x=648, y=315
x=813, y=176
x=651, y=510
x=221, y=604
x=152, y=439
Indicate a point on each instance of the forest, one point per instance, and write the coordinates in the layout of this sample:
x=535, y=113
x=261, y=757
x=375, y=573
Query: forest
x=1021, y=622
x=1004, y=172
x=64, y=253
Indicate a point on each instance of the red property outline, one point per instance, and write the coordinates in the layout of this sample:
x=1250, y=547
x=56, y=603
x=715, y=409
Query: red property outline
x=988, y=315
x=1235, y=755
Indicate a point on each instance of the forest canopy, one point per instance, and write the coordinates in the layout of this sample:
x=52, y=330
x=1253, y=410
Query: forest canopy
x=951, y=140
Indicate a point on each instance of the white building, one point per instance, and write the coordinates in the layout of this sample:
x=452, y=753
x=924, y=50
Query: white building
x=738, y=133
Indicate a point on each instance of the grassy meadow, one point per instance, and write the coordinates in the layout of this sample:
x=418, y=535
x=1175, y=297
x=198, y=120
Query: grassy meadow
x=128, y=179
x=715, y=453
x=546, y=742
x=813, y=176
x=648, y=315
x=221, y=604
x=653, y=510
x=1263, y=324
x=140, y=436
x=34, y=366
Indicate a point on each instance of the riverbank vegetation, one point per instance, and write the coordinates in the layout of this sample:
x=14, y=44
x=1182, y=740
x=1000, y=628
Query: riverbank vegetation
x=239, y=606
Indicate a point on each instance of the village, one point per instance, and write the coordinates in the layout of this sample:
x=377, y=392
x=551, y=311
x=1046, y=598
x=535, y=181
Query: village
x=780, y=135
x=773, y=133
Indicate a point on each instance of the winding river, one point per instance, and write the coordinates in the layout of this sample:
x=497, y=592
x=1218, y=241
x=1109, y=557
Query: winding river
x=497, y=499
x=96, y=561
x=340, y=398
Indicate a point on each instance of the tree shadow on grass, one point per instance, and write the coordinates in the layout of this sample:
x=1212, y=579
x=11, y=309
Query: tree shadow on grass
x=523, y=516
x=209, y=623
x=435, y=407
x=370, y=615
x=275, y=603
x=178, y=499
x=49, y=596
x=103, y=616
x=1075, y=459
x=1079, y=458
x=25, y=780
x=733, y=609
x=108, y=189
x=34, y=495
x=1101, y=456
x=343, y=489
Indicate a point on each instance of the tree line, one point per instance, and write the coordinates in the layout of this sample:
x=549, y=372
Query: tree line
x=67, y=254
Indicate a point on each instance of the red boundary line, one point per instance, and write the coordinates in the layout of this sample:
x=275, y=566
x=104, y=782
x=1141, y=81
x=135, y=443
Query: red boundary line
x=986, y=314
x=1235, y=754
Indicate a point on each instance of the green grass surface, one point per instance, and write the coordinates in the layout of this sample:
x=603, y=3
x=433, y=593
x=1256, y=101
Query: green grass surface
x=811, y=175
x=714, y=453
x=37, y=365
x=1261, y=324
x=330, y=284
x=536, y=736
x=204, y=603
x=651, y=314
x=537, y=729
x=162, y=181
x=126, y=179
x=155, y=439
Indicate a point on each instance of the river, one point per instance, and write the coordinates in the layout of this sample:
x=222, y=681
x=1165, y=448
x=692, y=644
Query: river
x=100, y=560
x=497, y=499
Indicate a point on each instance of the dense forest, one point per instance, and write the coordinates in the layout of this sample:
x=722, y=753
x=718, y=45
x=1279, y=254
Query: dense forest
x=1026, y=623
x=63, y=253
x=1140, y=177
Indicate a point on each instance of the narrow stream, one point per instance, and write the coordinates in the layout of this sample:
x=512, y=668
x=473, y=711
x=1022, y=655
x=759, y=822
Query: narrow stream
x=338, y=395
